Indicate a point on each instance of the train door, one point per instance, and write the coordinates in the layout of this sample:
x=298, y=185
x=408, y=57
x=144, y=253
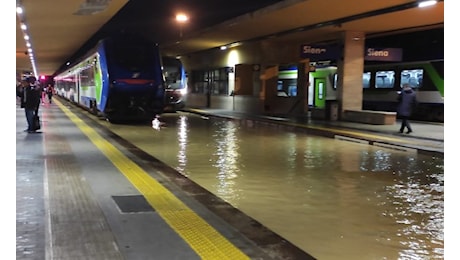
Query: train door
x=319, y=92
x=78, y=86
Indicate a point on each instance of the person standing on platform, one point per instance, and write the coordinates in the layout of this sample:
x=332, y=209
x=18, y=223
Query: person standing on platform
x=407, y=100
x=49, y=92
x=42, y=95
x=20, y=92
x=30, y=101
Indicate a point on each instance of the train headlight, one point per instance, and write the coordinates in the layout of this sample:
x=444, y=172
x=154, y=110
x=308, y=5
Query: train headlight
x=182, y=91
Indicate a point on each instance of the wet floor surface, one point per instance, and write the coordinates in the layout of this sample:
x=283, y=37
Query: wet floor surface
x=326, y=195
x=332, y=195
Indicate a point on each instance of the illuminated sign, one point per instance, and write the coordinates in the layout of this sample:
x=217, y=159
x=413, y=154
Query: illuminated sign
x=333, y=52
x=383, y=54
x=319, y=52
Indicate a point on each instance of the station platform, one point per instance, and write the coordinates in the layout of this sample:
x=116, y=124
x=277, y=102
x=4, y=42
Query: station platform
x=83, y=194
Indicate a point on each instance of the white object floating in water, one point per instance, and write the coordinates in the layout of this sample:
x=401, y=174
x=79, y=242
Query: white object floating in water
x=156, y=124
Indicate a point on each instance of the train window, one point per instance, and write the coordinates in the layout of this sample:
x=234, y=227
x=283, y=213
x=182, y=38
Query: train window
x=384, y=79
x=279, y=86
x=292, y=90
x=287, y=81
x=413, y=77
x=287, y=87
x=336, y=78
x=320, y=90
x=366, y=80
x=87, y=77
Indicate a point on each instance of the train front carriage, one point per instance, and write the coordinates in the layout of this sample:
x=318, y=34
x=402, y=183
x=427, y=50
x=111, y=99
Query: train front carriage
x=121, y=79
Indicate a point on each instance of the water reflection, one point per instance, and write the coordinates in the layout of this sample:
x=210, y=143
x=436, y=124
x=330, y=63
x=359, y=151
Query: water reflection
x=334, y=199
x=418, y=206
x=182, y=143
x=225, y=159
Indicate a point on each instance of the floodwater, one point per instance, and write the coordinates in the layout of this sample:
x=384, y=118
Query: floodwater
x=334, y=199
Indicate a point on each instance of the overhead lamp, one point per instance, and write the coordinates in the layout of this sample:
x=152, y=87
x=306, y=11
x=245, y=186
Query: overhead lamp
x=181, y=18
x=426, y=3
x=21, y=16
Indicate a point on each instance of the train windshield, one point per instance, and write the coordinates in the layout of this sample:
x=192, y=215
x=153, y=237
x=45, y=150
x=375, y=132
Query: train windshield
x=174, y=73
x=133, y=56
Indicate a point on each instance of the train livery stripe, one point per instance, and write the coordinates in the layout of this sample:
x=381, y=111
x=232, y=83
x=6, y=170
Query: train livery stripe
x=438, y=81
x=204, y=239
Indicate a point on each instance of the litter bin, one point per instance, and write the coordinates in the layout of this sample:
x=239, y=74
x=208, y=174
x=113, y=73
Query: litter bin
x=332, y=110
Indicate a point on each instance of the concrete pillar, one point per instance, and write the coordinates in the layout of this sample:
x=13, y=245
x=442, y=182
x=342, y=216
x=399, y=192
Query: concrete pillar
x=350, y=72
x=303, y=68
x=268, y=92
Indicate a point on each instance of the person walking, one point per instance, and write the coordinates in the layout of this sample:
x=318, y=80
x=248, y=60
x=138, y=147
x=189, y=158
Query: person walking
x=30, y=101
x=407, y=100
x=42, y=95
x=49, y=92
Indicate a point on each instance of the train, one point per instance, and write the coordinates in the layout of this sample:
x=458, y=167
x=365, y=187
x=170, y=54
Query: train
x=175, y=84
x=121, y=79
x=427, y=78
x=382, y=84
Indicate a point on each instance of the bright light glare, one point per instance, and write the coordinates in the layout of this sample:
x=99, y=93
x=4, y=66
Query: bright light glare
x=427, y=3
x=182, y=18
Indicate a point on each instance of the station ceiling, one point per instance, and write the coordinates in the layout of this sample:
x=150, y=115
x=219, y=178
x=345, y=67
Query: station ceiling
x=61, y=30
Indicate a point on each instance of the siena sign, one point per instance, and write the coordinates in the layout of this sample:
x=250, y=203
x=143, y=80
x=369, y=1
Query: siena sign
x=332, y=52
x=319, y=52
x=383, y=54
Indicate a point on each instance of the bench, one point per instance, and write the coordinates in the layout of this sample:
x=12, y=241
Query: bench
x=370, y=117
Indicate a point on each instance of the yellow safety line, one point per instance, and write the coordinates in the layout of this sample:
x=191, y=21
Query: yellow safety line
x=204, y=239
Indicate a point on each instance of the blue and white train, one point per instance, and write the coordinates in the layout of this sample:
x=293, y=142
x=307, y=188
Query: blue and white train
x=121, y=78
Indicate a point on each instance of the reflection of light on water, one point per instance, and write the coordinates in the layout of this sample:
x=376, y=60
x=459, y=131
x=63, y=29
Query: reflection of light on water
x=182, y=139
x=291, y=153
x=415, y=203
x=226, y=161
x=341, y=200
x=376, y=161
x=419, y=213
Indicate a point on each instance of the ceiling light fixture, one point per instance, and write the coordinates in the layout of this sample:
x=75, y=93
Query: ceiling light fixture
x=426, y=3
x=29, y=52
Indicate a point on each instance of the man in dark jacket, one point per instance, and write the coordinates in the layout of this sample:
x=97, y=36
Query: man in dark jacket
x=30, y=100
x=407, y=100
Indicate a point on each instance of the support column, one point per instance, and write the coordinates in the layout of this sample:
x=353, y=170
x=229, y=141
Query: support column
x=268, y=92
x=303, y=68
x=350, y=72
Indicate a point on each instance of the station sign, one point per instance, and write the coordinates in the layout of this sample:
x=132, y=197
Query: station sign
x=319, y=52
x=383, y=54
x=333, y=52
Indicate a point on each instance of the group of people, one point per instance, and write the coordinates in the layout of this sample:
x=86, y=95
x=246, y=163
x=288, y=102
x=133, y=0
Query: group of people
x=31, y=94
